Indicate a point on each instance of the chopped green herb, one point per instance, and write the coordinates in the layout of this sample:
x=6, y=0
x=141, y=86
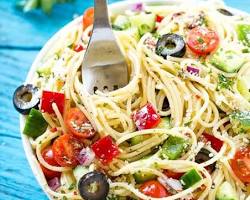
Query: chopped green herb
x=159, y=50
x=64, y=198
x=200, y=40
x=72, y=186
x=245, y=51
x=188, y=123
x=117, y=28
x=224, y=82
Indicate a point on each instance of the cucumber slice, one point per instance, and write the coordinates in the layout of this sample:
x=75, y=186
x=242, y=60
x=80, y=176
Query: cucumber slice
x=44, y=71
x=121, y=22
x=243, y=86
x=141, y=177
x=173, y=148
x=35, y=124
x=226, y=192
x=243, y=31
x=80, y=171
x=165, y=123
x=144, y=22
x=190, y=178
x=227, y=61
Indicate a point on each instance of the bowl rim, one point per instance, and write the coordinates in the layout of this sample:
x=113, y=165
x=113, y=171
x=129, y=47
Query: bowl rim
x=115, y=7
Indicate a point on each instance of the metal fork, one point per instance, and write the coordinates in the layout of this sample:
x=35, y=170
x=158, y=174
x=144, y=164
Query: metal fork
x=104, y=66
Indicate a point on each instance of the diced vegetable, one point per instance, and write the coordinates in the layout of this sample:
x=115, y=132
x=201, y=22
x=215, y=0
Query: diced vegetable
x=193, y=70
x=141, y=177
x=243, y=31
x=146, y=117
x=224, y=82
x=48, y=156
x=44, y=71
x=138, y=139
x=173, y=148
x=54, y=183
x=216, y=143
x=35, y=124
x=48, y=98
x=226, y=192
x=144, y=22
x=243, y=86
x=77, y=123
x=154, y=189
x=88, y=18
x=80, y=171
x=78, y=48
x=241, y=164
x=172, y=174
x=86, y=156
x=105, y=149
x=165, y=123
x=202, y=41
x=190, y=178
x=121, y=22
x=240, y=121
x=159, y=18
x=66, y=149
x=227, y=61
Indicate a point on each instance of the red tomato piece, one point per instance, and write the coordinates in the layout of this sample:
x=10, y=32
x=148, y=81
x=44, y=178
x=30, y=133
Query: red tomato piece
x=216, y=143
x=154, y=189
x=105, y=149
x=202, y=41
x=159, y=18
x=78, y=48
x=172, y=174
x=88, y=18
x=66, y=149
x=241, y=164
x=77, y=123
x=48, y=98
x=146, y=117
x=49, y=158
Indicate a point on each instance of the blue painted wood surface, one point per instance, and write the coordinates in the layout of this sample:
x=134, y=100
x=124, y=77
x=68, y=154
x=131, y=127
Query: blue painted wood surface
x=21, y=35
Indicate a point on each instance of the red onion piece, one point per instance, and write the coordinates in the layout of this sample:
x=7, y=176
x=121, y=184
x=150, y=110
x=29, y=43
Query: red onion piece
x=193, y=70
x=170, y=182
x=54, y=183
x=86, y=156
x=138, y=7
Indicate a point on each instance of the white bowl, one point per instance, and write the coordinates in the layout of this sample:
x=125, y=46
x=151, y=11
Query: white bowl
x=115, y=8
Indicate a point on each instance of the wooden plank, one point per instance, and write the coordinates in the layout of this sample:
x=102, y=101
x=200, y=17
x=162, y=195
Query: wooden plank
x=16, y=179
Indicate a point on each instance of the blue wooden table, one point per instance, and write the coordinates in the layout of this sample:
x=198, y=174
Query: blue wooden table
x=21, y=37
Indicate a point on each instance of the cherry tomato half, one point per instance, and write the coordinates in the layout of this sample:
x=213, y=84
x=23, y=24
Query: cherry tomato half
x=66, y=148
x=172, y=174
x=154, y=189
x=77, y=123
x=49, y=158
x=88, y=17
x=241, y=164
x=202, y=41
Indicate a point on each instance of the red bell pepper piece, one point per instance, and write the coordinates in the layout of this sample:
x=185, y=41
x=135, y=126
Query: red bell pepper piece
x=78, y=48
x=105, y=149
x=159, y=18
x=146, y=117
x=216, y=143
x=48, y=98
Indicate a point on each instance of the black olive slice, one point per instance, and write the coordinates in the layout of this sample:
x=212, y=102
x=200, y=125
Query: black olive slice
x=165, y=105
x=203, y=156
x=171, y=45
x=93, y=186
x=225, y=12
x=25, y=98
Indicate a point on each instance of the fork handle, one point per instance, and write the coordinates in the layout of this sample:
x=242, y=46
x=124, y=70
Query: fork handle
x=101, y=17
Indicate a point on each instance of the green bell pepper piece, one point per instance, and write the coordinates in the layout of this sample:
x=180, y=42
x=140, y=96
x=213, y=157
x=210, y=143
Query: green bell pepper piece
x=173, y=147
x=190, y=178
x=35, y=124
